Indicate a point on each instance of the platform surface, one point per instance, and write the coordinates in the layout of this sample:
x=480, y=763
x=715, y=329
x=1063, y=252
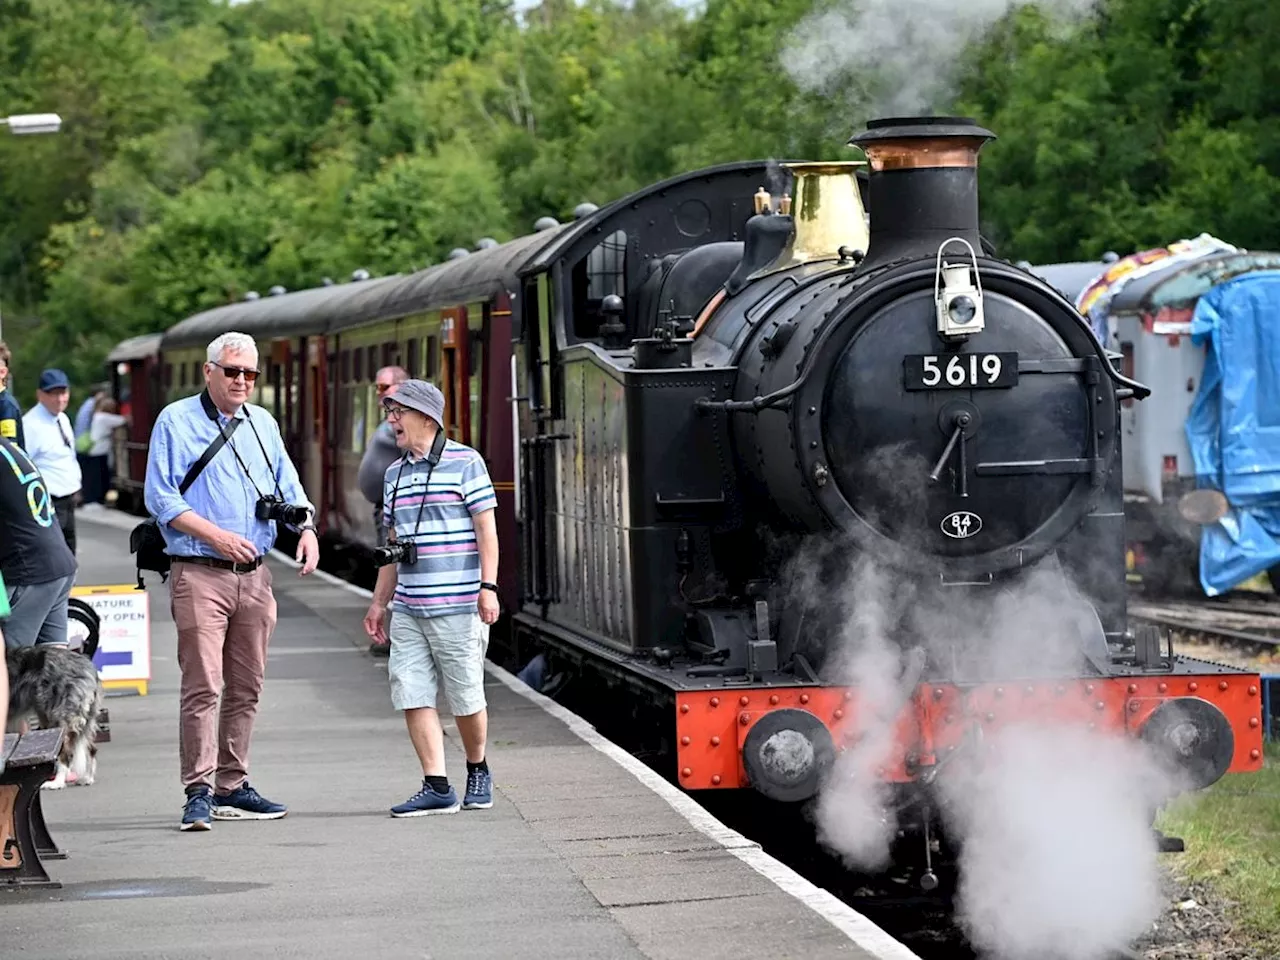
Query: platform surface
x=581, y=855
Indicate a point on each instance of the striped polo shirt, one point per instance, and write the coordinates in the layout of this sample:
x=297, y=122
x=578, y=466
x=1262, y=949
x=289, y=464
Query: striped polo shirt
x=446, y=578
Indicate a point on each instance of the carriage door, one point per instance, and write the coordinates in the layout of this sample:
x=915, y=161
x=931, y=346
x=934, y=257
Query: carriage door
x=315, y=475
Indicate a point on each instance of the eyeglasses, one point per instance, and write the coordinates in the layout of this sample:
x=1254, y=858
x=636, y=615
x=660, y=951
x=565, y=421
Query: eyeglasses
x=232, y=372
x=383, y=387
x=395, y=412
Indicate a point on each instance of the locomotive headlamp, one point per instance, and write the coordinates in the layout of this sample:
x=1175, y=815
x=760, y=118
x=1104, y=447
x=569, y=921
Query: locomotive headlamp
x=958, y=294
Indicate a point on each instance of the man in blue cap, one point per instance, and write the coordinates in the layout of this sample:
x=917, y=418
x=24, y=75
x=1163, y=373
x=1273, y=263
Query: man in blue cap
x=52, y=448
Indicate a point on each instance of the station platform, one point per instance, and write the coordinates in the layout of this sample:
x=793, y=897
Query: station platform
x=585, y=853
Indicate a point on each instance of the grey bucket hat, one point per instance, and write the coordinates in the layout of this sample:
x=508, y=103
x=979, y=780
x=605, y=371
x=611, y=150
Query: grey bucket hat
x=418, y=395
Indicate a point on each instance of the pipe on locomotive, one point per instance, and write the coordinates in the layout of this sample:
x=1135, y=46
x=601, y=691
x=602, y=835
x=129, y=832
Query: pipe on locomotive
x=923, y=187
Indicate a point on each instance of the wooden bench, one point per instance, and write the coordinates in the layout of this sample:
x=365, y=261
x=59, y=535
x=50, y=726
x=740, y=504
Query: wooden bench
x=30, y=760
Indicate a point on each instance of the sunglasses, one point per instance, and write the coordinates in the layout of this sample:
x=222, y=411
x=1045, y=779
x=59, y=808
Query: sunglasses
x=232, y=372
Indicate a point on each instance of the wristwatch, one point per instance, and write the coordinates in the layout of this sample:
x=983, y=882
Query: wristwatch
x=489, y=586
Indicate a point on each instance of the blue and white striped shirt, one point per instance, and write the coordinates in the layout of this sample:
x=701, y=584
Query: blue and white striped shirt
x=222, y=494
x=446, y=578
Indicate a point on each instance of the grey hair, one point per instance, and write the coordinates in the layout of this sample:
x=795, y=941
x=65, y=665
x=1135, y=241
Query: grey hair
x=240, y=342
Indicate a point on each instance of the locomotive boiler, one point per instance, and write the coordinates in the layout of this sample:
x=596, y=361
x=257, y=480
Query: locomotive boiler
x=825, y=392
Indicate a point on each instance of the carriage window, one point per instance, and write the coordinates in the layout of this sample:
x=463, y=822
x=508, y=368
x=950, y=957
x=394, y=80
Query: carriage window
x=357, y=361
x=344, y=367
x=601, y=273
x=415, y=346
x=373, y=362
x=476, y=355
x=390, y=354
x=431, y=362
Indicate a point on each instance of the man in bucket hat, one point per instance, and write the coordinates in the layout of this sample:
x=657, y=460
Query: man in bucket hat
x=438, y=506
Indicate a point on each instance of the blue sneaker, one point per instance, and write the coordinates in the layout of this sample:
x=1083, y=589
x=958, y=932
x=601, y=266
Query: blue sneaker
x=479, y=794
x=426, y=801
x=245, y=803
x=195, y=815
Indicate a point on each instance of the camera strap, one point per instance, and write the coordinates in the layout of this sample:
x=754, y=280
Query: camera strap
x=212, y=450
x=433, y=457
x=263, y=447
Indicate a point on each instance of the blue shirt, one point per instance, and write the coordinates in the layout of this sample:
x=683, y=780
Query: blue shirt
x=222, y=494
x=85, y=417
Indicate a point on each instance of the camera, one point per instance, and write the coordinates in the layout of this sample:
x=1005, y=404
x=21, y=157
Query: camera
x=397, y=551
x=272, y=507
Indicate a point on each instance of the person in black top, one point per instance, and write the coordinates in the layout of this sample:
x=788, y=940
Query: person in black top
x=10, y=412
x=38, y=567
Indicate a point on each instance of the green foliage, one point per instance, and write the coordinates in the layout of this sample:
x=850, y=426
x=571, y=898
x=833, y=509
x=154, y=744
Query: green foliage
x=210, y=149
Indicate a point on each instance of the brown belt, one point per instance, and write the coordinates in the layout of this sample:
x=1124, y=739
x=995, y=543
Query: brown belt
x=221, y=564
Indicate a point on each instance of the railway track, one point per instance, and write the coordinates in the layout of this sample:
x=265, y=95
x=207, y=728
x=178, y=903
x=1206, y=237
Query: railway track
x=1248, y=623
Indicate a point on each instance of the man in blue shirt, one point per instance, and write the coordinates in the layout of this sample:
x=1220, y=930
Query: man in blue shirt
x=217, y=535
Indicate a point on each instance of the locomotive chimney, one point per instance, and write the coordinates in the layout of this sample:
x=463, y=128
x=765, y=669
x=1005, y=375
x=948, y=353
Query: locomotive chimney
x=923, y=185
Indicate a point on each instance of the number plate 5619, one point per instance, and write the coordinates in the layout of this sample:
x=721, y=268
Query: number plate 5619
x=959, y=371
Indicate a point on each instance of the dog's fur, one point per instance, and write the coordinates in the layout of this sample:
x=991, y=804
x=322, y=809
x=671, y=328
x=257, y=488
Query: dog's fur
x=58, y=687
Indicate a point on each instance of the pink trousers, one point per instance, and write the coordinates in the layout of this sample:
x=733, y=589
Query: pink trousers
x=224, y=621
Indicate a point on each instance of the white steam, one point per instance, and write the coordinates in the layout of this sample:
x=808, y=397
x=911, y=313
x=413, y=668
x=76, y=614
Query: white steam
x=1058, y=859
x=899, y=54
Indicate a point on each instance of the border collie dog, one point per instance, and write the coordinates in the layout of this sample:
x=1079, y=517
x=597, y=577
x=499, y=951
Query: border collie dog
x=57, y=687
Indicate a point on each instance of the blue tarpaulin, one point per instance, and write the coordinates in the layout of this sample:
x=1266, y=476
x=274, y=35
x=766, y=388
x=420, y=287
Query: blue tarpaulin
x=1233, y=428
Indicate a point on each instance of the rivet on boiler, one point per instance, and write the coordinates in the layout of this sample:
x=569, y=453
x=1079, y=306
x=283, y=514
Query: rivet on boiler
x=715, y=741
x=715, y=779
x=687, y=772
x=744, y=700
x=999, y=691
x=990, y=717
x=1193, y=686
x=848, y=695
x=1030, y=690
x=1099, y=705
x=684, y=741
x=744, y=718
x=1163, y=688
x=804, y=698
x=949, y=718
x=1253, y=691
x=1222, y=684
x=839, y=714
x=937, y=693
x=715, y=701
x=1133, y=688
x=1253, y=721
x=1088, y=688
x=1253, y=754
x=684, y=708
x=774, y=699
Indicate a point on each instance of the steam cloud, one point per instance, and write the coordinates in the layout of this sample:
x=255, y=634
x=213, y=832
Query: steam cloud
x=1058, y=860
x=903, y=51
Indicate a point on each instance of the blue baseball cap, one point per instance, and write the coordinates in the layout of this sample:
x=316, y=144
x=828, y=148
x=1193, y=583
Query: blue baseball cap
x=52, y=379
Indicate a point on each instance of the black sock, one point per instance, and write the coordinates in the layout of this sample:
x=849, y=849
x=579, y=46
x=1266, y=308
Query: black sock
x=473, y=767
x=438, y=784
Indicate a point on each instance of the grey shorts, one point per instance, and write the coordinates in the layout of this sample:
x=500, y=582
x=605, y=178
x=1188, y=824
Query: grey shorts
x=428, y=650
x=38, y=612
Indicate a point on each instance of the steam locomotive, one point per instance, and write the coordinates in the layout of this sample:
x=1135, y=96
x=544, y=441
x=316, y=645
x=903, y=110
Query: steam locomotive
x=702, y=402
